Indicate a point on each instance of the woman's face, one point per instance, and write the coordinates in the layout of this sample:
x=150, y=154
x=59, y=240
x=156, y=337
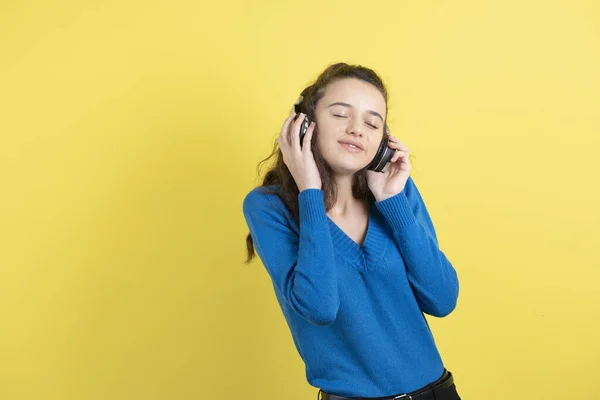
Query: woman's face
x=350, y=121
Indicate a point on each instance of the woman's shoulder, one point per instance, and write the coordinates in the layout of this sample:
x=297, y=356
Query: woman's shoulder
x=263, y=192
x=263, y=199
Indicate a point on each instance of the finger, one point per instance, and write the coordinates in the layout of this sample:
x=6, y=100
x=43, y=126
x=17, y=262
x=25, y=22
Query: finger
x=295, y=132
x=403, y=160
x=397, y=144
x=398, y=147
x=284, y=135
x=399, y=158
x=397, y=154
x=405, y=164
x=386, y=167
x=393, y=144
x=306, y=144
x=286, y=124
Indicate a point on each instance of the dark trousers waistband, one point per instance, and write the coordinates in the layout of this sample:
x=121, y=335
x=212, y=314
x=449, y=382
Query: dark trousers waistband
x=446, y=380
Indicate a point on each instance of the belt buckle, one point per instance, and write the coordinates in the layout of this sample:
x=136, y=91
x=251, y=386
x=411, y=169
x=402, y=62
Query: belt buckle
x=403, y=396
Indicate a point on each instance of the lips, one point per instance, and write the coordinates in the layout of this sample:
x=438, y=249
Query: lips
x=352, y=143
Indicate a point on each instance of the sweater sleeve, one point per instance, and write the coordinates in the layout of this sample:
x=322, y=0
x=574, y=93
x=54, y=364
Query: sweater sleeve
x=300, y=261
x=430, y=273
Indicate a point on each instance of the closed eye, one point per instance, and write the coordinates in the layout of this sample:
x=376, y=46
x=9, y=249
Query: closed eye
x=344, y=116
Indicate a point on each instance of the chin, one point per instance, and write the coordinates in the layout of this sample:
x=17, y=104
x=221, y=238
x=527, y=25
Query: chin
x=343, y=164
x=346, y=168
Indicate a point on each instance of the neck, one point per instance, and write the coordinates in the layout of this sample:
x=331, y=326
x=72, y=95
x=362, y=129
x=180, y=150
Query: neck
x=345, y=202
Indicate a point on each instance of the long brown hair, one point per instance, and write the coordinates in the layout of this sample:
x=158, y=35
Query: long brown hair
x=279, y=174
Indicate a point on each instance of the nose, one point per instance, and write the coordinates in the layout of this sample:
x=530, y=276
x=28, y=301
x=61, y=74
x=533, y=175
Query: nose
x=355, y=127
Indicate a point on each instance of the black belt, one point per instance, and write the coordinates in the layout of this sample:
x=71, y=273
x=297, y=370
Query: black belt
x=445, y=381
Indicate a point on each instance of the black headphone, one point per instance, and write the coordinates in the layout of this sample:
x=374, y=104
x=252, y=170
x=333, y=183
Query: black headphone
x=383, y=155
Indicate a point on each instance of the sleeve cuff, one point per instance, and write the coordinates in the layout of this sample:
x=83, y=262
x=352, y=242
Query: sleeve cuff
x=397, y=211
x=311, y=205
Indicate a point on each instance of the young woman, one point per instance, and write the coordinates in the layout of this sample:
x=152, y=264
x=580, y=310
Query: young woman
x=351, y=251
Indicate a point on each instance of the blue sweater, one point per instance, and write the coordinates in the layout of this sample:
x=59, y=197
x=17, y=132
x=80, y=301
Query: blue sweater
x=356, y=312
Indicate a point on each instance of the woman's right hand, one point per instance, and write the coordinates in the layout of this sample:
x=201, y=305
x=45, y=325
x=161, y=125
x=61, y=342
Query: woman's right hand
x=299, y=159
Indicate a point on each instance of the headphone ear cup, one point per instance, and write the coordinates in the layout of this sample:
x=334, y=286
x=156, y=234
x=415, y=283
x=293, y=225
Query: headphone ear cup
x=300, y=107
x=384, y=154
x=305, y=123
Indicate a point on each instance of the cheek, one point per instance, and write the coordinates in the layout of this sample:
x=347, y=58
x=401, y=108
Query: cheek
x=326, y=146
x=374, y=144
x=322, y=144
x=325, y=136
x=325, y=130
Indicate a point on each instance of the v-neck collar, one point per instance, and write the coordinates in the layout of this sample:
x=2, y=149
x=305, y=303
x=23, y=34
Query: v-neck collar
x=373, y=245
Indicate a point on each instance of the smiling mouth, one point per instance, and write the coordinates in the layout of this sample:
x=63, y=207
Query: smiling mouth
x=351, y=147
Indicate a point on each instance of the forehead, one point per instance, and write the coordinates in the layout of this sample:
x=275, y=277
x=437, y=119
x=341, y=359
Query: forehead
x=358, y=93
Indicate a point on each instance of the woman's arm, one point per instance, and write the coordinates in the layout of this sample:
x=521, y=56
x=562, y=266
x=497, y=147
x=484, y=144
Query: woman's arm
x=301, y=264
x=432, y=276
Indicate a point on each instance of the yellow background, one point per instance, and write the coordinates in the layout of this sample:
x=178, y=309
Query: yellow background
x=130, y=132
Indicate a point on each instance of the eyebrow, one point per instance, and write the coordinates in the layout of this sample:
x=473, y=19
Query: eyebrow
x=340, y=103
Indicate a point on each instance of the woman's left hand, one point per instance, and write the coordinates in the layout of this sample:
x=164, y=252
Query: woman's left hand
x=393, y=177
